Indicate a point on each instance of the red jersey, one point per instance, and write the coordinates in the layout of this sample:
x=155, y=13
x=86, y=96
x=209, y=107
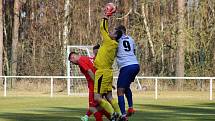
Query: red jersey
x=85, y=63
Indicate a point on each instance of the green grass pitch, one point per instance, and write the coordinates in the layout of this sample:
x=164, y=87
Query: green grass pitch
x=71, y=108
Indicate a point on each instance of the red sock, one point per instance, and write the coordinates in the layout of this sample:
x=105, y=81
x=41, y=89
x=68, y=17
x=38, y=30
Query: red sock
x=98, y=116
x=88, y=113
x=104, y=112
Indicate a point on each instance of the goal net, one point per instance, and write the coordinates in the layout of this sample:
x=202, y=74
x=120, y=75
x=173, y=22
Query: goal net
x=77, y=85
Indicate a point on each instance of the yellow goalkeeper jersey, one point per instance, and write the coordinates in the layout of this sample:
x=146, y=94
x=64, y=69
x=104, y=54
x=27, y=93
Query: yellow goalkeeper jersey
x=107, y=51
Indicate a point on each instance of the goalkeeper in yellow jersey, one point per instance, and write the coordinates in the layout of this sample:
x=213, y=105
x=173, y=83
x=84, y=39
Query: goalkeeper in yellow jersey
x=104, y=73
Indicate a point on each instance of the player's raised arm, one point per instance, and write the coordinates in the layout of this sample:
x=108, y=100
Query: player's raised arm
x=109, y=9
x=104, y=27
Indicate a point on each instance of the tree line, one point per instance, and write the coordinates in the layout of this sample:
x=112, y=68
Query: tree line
x=174, y=37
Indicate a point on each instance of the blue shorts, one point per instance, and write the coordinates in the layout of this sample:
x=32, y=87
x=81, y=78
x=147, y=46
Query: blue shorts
x=127, y=75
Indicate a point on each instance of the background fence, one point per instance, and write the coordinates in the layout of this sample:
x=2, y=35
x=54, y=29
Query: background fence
x=77, y=86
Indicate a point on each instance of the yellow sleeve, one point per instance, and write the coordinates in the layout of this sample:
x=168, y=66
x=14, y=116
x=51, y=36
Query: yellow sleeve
x=104, y=29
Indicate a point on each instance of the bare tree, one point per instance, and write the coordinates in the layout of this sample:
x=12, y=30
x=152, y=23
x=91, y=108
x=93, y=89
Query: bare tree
x=213, y=62
x=126, y=9
x=89, y=13
x=1, y=39
x=66, y=27
x=148, y=31
x=15, y=36
x=180, y=42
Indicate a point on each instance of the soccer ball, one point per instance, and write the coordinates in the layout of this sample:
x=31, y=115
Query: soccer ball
x=110, y=8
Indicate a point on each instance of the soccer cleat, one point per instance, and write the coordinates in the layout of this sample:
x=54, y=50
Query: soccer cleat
x=84, y=118
x=114, y=117
x=123, y=118
x=130, y=111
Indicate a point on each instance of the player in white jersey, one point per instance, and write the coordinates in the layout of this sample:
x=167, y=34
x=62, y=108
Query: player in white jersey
x=129, y=68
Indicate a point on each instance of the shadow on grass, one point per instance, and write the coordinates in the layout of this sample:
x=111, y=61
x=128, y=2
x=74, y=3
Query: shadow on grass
x=146, y=112
x=49, y=114
x=200, y=112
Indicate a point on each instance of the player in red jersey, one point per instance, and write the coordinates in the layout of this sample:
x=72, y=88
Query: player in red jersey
x=86, y=66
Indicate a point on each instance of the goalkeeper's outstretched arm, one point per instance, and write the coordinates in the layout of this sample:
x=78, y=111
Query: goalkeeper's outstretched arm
x=104, y=28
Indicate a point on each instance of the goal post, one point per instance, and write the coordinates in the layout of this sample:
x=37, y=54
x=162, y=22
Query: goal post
x=73, y=85
x=77, y=85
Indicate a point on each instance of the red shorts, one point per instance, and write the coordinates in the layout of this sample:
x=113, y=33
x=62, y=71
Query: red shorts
x=92, y=102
